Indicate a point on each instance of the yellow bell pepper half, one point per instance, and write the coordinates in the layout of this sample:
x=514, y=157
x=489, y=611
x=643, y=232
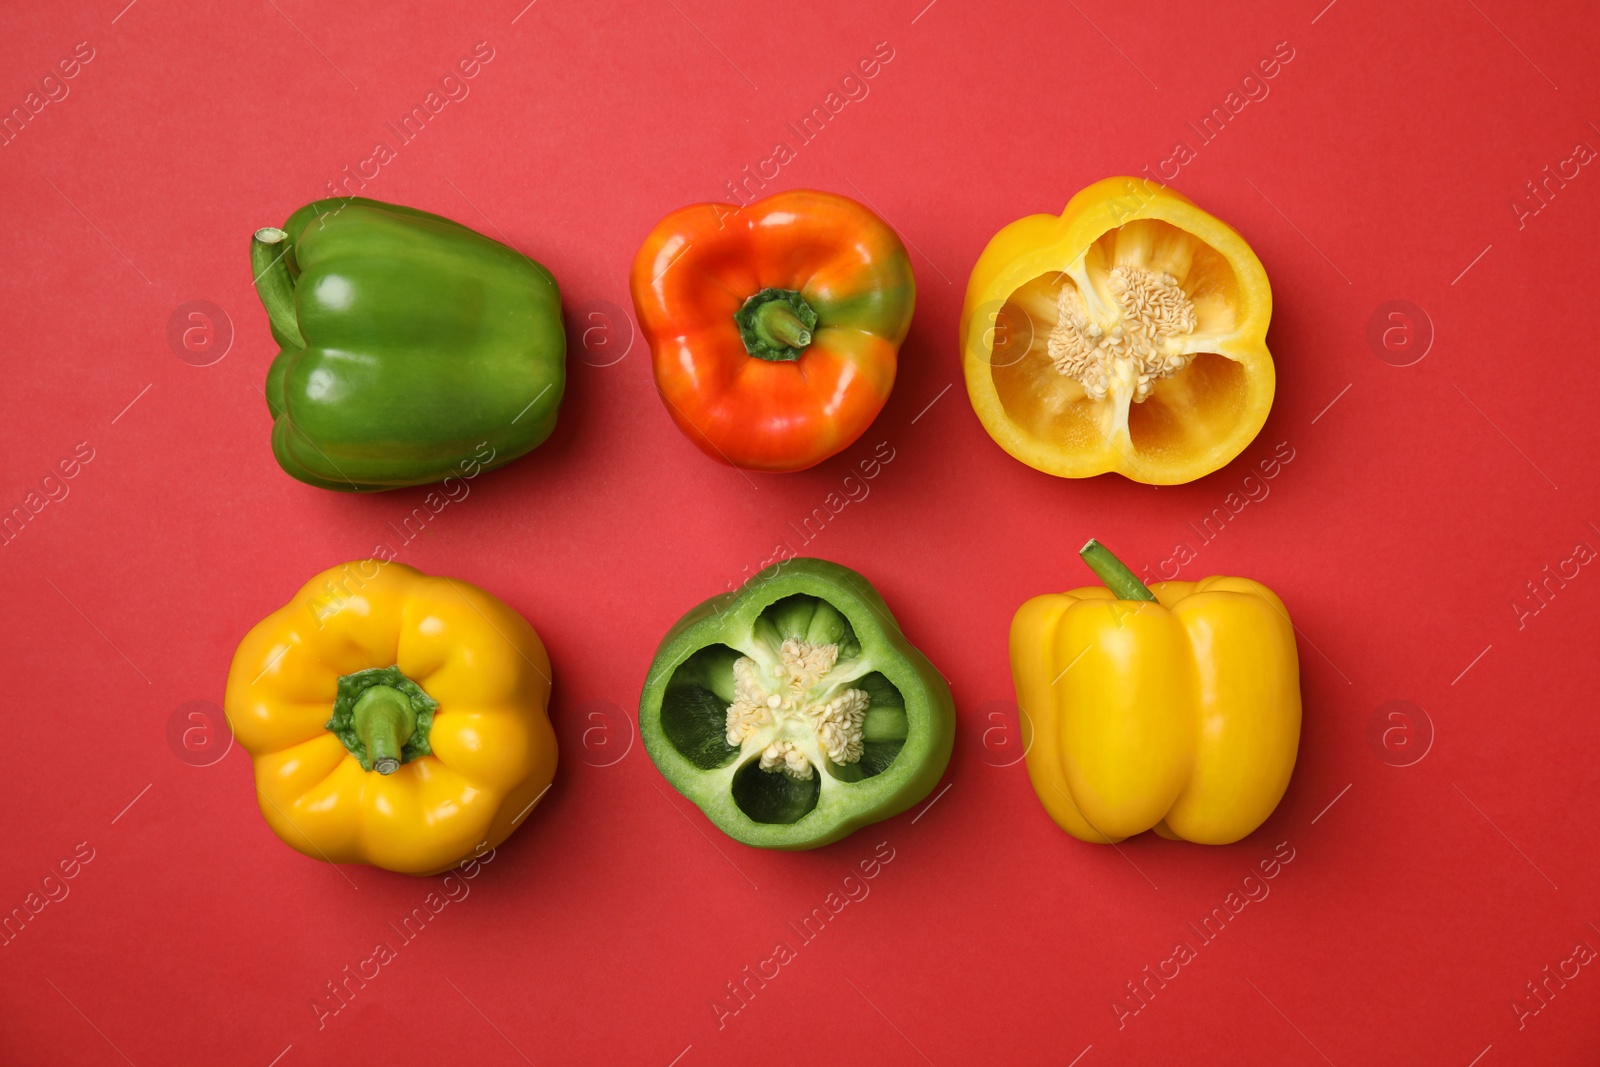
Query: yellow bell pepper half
x=1175, y=709
x=394, y=719
x=1127, y=334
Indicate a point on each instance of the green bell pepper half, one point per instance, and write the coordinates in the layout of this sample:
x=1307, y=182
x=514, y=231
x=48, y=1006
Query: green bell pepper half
x=793, y=711
x=408, y=344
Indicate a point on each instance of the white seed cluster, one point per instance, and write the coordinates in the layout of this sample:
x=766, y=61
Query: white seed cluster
x=840, y=723
x=785, y=756
x=837, y=724
x=804, y=665
x=1154, y=310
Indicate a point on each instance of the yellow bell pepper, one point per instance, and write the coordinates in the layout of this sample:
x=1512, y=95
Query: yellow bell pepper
x=394, y=719
x=1174, y=707
x=1127, y=334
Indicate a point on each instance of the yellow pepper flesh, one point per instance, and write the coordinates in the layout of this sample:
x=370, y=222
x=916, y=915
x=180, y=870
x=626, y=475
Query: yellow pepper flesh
x=493, y=748
x=1163, y=424
x=1180, y=715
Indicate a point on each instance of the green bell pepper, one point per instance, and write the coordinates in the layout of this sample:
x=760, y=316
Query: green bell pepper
x=408, y=343
x=793, y=711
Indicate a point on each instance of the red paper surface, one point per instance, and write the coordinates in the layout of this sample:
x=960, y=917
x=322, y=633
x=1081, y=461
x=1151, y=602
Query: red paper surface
x=1382, y=162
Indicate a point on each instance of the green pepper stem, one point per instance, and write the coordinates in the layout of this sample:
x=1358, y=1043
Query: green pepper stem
x=1109, y=569
x=385, y=721
x=268, y=246
x=777, y=324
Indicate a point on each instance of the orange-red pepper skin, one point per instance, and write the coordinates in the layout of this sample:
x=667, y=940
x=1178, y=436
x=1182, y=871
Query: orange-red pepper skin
x=700, y=265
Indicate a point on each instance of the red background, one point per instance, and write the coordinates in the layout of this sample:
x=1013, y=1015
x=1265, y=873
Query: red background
x=1382, y=166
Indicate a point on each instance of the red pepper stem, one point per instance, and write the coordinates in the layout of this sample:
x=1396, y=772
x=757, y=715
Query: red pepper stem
x=777, y=324
x=268, y=246
x=1122, y=582
x=385, y=721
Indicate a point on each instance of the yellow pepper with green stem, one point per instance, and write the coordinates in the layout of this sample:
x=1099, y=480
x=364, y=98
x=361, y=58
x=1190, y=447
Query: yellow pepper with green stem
x=394, y=719
x=1173, y=708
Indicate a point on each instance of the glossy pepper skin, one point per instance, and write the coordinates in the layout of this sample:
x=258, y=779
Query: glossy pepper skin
x=1180, y=715
x=795, y=609
x=394, y=719
x=407, y=343
x=774, y=328
x=1193, y=419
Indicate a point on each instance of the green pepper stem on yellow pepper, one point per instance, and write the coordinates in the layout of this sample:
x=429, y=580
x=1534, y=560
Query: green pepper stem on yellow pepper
x=1112, y=571
x=385, y=721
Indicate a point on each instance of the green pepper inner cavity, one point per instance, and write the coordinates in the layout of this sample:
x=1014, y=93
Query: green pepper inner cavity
x=799, y=695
